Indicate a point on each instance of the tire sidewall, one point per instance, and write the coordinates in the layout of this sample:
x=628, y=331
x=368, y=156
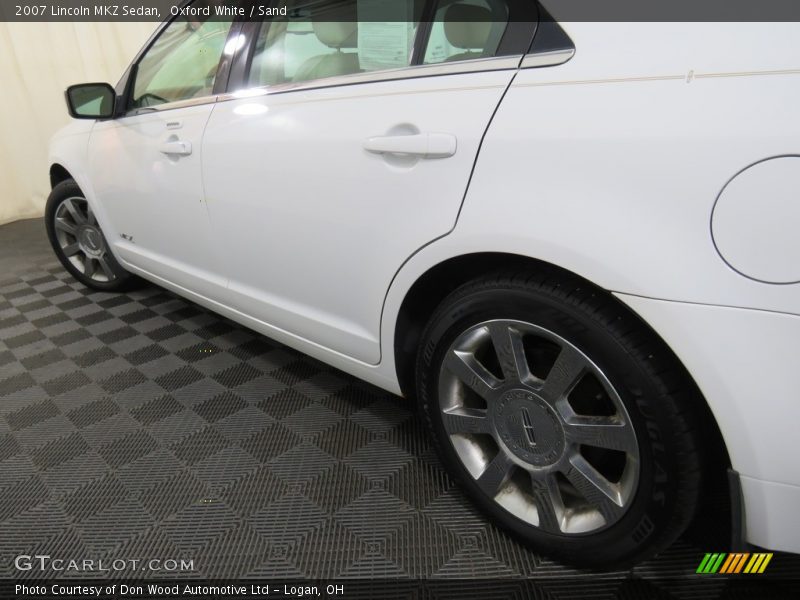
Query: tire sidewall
x=651, y=505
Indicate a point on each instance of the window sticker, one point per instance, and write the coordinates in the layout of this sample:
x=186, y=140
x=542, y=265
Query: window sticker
x=385, y=44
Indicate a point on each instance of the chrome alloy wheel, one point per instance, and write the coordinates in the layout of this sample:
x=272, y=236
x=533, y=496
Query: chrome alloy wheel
x=539, y=427
x=81, y=240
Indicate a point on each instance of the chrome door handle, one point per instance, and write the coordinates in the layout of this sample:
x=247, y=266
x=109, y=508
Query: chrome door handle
x=176, y=148
x=424, y=145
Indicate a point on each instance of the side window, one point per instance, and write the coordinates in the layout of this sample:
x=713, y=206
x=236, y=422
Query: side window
x=330, y=38
x=182, y=63
x=466, y=29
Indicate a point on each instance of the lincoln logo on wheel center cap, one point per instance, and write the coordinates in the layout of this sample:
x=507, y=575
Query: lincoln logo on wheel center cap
x=529, y=428
x=90, y=240
x=528, y=425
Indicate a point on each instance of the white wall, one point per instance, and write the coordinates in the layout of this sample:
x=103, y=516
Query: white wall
x=37, y=62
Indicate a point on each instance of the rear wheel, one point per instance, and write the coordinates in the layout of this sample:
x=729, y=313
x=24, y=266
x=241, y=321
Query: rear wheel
x=79, y=243
x=563, y=417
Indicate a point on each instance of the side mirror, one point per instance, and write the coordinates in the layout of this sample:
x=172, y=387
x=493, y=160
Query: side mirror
x=91, y=101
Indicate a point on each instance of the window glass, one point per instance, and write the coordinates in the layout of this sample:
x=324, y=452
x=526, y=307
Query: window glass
x=465, y=30
x=183, y=61
x=331, y=38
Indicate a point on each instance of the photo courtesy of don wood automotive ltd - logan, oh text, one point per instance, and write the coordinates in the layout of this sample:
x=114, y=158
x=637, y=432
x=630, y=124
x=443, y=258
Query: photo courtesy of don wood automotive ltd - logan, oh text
x=399, y=299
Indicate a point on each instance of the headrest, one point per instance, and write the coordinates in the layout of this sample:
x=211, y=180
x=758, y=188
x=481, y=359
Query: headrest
x=335, y=23
x=467, y=26
x=337, y=34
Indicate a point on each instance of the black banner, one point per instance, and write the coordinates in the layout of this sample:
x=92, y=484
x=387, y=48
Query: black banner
x=562, y=10
x=590, y=586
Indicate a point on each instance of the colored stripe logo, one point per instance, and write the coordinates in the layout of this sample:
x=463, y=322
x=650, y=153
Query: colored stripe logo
x=734, y=563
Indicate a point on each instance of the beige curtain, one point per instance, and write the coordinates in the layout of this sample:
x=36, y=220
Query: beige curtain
x=37, y=62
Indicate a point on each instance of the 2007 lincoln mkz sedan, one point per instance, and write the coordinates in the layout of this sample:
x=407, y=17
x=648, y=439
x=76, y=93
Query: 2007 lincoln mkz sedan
x=574, y=245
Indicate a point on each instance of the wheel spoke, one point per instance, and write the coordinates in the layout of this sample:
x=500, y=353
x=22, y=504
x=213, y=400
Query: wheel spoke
x=510, y=352
x=601, y=432
x=596, y=489
x=75, y=212
x=466, y=367
x=88, y=267
x=90, y=215
x=64, y=226
x=495, y=474
x=545, y=493
x=72, y=249
x=565, y=374
x=106, y=267
x=466, y=420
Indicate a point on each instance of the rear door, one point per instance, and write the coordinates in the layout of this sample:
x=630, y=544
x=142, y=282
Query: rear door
x=349, y=147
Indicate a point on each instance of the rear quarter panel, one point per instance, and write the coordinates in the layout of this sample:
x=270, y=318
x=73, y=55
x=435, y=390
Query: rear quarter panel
x=610, y=164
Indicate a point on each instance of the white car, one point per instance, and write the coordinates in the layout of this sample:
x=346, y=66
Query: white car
x=575, y=245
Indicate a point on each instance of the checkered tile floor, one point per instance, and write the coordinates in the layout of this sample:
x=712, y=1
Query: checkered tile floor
x=141, y=425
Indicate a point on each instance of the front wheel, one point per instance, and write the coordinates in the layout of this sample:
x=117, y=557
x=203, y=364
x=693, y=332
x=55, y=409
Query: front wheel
x=562, y=416
x=79, y=243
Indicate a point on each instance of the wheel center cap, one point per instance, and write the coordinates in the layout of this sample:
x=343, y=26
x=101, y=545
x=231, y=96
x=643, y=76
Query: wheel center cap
x=90, y=240
x=529, y=428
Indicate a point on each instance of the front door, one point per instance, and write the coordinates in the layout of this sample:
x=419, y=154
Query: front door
x=347, y=160
x=146, y=165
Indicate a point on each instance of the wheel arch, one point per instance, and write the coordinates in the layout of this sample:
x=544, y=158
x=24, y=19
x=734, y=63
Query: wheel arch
x=58, y=174
x=434, y=285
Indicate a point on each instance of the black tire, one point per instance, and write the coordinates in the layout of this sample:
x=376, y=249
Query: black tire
x=655, y=389
x=117, y=279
